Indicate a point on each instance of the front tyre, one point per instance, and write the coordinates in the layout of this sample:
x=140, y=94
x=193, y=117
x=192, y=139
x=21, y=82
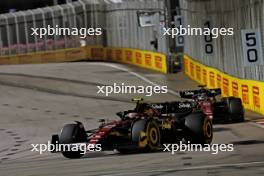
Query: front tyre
x=146, y=134
x=70, y=134
x=54, y=142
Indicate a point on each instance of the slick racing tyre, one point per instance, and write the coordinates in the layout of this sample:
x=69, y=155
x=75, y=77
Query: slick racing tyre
x=146, y=134
x=199, y=128
x=70, y=134
x=54, y=141
x=235, y=109
x=153, y=135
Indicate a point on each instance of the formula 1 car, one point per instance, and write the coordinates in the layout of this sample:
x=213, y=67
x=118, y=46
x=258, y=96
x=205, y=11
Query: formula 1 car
x=228, y=109
x=145, y=128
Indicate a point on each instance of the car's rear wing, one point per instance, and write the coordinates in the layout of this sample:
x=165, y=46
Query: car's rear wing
x=173, y=107
x=214, y=92
x=189, y=94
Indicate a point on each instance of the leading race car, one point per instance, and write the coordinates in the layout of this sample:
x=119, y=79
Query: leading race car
x=145, y=128
x=227, y=109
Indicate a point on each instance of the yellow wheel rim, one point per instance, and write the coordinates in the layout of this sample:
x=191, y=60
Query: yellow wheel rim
x=208, y=129
x=153, y=135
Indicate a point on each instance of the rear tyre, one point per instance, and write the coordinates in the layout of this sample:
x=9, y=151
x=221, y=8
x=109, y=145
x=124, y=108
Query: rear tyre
x=199, y=128
x=70, y=134
x=235, y=109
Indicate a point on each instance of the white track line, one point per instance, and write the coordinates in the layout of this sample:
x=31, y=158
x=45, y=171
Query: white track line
x=257, y=124
x=136, y=75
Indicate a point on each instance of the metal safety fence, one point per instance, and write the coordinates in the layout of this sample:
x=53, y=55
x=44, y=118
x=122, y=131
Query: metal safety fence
x=119, y=20
x=16, y=28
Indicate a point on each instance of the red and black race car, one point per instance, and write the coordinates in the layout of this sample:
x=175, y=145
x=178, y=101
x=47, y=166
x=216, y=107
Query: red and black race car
x=227, y=109
x=145, y=128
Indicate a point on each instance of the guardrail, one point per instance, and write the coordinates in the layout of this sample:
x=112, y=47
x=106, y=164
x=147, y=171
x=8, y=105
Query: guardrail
x=146, y=59
x=119, y=23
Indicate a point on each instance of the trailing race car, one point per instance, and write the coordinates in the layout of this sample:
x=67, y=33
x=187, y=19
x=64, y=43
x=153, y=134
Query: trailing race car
x=228, y=109
x=145, y=128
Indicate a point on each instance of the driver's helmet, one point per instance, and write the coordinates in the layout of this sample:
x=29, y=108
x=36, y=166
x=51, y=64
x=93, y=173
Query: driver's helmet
x=140, y=107
x=149, y=111
x=201, y=97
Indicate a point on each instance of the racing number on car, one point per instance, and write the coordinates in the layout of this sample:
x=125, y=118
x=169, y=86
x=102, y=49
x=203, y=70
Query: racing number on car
x=208, y=40
x=252, y=50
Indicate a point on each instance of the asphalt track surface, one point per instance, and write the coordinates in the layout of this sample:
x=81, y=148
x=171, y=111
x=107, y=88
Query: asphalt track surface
x=36, y=100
